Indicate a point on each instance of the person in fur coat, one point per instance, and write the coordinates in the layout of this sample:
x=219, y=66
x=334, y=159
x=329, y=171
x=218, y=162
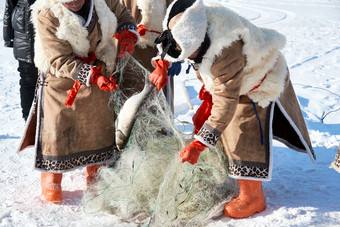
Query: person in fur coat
x=248, y=97
x=148, y=15
x=336, y=164
x=74, y=46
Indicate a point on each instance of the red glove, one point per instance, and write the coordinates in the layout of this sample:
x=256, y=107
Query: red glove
x=105, y=84
x=160, y=75
x=191, y=153
x=127, y=41
x=204, y=111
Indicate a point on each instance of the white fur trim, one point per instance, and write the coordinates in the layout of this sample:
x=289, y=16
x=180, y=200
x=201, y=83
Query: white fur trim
x=261, y=48
x=106, y=50
x=189, y=31
x=153, y=12
x=71, y=30
x=136, y=33
x=272, y=86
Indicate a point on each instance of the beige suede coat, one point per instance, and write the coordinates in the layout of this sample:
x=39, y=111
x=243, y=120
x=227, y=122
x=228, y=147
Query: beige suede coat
x=336, y=164
x=150, y=13
x=69, y=137
x=245, y=128
x=253, y=99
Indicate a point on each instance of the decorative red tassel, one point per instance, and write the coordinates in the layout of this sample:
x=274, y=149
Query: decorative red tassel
x=72, y=94
x=74, y=90
x=141, y=30
x=204, y=111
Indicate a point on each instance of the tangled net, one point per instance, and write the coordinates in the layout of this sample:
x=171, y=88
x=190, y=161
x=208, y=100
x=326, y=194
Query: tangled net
x=148, y=184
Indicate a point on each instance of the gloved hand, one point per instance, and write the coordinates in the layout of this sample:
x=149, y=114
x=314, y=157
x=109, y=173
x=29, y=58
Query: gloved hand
x=204, y=111
x=191, y=153
x=175, y=69
x=127, y=40
x=159, y=75
x=105, y=84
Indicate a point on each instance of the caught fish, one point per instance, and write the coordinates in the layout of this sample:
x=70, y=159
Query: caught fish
x=128, y=115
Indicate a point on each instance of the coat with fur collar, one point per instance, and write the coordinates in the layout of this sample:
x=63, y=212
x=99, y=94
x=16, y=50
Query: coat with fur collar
x=149, y=13
x=66, y=138
x=253, y=99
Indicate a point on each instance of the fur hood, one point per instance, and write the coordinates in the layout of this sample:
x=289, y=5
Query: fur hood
x=72, y=31
x=261, y=48
x=153, y=12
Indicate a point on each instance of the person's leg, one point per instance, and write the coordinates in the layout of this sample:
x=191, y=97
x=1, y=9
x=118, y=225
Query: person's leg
x=51, y=186
x=250, y=200
x=246, y=142
x=28, y=79
x=91, y=173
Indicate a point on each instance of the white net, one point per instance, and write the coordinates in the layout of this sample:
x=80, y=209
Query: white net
x=148, y=184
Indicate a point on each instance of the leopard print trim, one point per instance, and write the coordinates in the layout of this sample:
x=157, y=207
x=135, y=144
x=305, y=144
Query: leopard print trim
x=83, y=74
x=209, y=135
x=336, y=162
x=248, y=171
x=127, y=26
x=49, y=165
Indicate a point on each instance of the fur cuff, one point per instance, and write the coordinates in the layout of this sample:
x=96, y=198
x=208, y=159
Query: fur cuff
x=336, y=164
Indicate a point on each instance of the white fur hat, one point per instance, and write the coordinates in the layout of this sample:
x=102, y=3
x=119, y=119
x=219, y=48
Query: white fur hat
x=188, y=32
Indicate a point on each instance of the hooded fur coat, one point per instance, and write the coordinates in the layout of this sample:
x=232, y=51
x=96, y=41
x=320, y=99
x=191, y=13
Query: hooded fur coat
x=69, y=137
x=253, y=99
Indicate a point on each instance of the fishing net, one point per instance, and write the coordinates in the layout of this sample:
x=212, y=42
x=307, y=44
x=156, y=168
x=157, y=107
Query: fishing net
x=148, y=184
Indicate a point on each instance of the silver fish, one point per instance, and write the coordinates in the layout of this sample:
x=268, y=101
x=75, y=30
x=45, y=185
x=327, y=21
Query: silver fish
x=128, y=115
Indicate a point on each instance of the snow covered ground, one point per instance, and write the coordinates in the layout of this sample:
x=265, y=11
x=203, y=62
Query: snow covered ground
x=300, y=194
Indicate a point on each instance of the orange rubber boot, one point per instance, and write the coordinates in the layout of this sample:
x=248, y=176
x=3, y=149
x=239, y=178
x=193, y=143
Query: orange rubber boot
x=91, y=174
x=51, y=187
x=250, y=200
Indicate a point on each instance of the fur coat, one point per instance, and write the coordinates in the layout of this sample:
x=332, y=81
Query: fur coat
x=243, y=69
x=70, y=137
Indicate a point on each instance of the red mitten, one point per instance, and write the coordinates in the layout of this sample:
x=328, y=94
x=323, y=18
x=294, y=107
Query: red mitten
x=127, y=41
x=191, y=153
x=96, y=72
x=105, y=84
x=204, y=111
x=160, y=75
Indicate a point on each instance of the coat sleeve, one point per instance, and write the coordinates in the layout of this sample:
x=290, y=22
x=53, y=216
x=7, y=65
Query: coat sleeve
x=58, y=52
x=227, y=71
x=8, y=32
x=124, y=16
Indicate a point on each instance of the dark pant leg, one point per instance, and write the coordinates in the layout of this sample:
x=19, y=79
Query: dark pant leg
x=28, y=79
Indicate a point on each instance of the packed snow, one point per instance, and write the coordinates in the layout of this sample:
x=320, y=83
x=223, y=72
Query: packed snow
x=300, y=194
